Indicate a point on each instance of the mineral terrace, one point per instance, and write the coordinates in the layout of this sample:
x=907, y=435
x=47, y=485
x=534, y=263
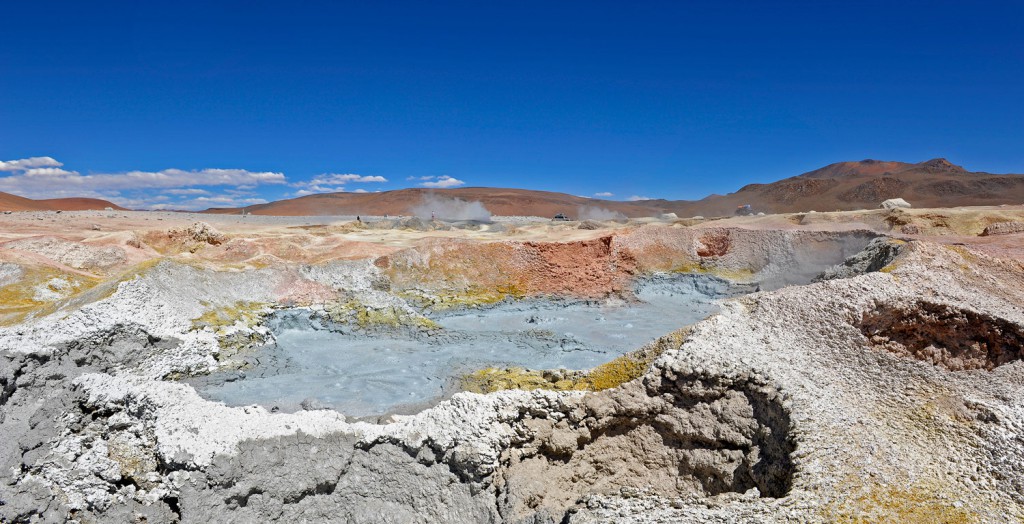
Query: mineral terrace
x=852, y=367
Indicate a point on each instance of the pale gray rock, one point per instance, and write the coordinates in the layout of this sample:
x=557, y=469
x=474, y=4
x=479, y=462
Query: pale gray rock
x=74, y=254
x=204, y=233
x=894, y=203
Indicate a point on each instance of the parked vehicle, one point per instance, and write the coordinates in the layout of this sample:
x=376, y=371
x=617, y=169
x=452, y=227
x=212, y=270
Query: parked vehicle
x=744, y=210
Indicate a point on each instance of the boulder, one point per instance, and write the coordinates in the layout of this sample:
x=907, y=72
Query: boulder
x=1003, y=228
x=203, y=233
x=416, y=223
x=894, y=203
x=880, y=252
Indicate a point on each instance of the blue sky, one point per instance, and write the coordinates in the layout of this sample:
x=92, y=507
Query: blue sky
x=191, y=105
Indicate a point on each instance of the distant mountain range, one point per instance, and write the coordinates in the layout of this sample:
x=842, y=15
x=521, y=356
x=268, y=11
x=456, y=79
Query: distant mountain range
x=499, y=201
x=865, y=184
x=841, y=186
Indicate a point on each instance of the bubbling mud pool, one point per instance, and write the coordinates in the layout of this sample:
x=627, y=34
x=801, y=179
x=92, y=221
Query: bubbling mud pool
x=322, y=364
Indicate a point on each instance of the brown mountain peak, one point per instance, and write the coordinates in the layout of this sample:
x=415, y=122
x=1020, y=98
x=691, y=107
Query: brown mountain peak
x=868, y=167
x=941, y=165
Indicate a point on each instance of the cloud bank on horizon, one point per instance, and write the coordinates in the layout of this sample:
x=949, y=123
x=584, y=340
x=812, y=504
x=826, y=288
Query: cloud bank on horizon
x=334, y=183
x=45, y=177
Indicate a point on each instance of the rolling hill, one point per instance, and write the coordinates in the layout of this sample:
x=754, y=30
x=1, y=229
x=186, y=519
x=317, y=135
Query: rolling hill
x=840, y=186
x=9, y=202
x=499, y=201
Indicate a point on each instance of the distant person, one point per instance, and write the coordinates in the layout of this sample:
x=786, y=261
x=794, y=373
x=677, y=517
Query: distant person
x=358, y=219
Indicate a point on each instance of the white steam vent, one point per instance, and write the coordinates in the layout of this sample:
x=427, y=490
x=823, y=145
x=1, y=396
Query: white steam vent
x=450, y=208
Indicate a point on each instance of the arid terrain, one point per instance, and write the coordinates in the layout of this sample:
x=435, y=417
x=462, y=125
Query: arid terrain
x=853, y=366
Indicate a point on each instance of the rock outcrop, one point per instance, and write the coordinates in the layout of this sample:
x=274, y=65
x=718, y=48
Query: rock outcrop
x=72, y=254
x=894, y=203
x=878, y=254
x=203, y=233
x=1003, y=228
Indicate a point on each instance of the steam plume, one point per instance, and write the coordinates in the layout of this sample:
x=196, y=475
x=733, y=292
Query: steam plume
x=598, y=213
x=448, y=208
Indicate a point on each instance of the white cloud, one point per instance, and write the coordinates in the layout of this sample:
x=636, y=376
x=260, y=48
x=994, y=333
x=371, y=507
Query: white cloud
x=189, y=191
x=201, y=203
x=222, y=199
x=360, y=190
x=604, y=194
x=29, y=163
x=39, y=177
x=131, y=203
x=42, y=177
x=314, y=188
x=336, y=179
x=169, y=178
x=159, y=202
x=334, y=183
x=47, y=171
x=441, y=182
x=636, y=198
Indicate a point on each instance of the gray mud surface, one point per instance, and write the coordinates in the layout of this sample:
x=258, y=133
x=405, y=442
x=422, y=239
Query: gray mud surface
x=319, y=363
